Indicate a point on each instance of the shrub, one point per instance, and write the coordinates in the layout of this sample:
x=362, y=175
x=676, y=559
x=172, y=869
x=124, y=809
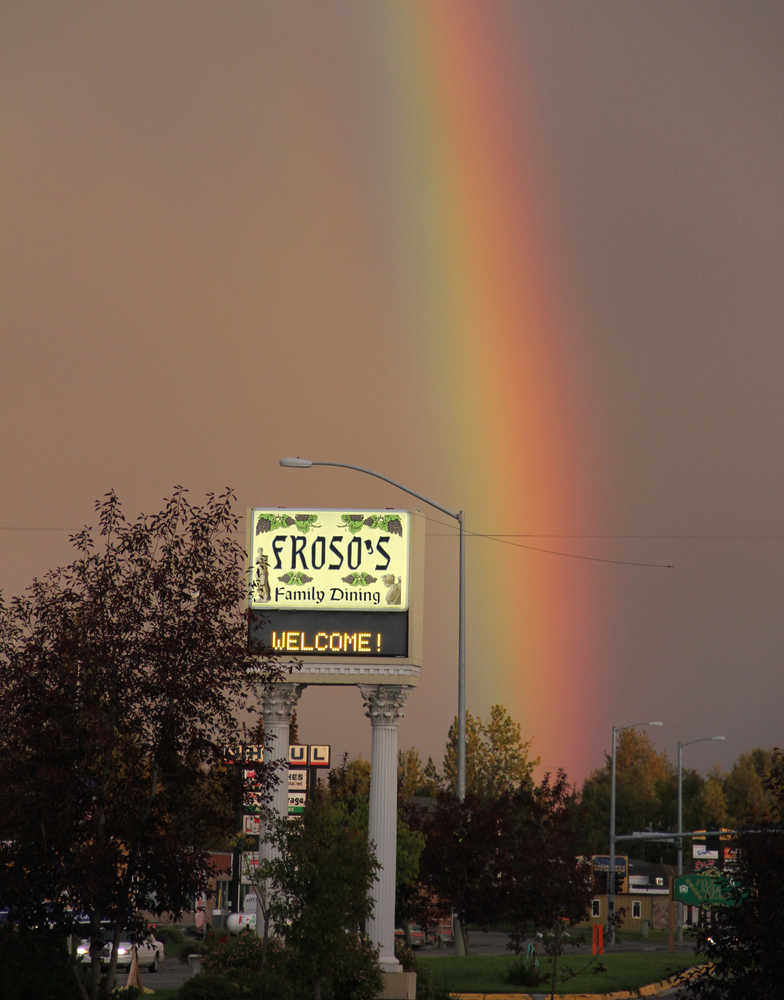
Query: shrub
x=405, y=956
x=525, y=971
x=355, y=975
x=234, y=954
x=425, y=988
x=209, y=986
x=250, y=969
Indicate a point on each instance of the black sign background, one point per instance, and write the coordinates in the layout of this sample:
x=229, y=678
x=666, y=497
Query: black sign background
x=391, y=625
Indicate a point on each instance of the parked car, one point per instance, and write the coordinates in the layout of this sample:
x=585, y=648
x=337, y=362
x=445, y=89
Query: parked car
x=411, y=934
x=150, y=952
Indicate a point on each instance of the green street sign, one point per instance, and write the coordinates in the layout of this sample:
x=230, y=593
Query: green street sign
x=702, y=890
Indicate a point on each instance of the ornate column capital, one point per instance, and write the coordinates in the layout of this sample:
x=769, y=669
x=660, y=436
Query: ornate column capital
x=383, y=702
x=278, y=702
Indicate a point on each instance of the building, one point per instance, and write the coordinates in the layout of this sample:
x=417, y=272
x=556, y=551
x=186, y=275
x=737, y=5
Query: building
x=644, y=896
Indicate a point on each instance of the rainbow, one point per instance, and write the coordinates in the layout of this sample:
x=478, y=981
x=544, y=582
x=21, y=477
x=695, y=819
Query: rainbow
x=480, y=293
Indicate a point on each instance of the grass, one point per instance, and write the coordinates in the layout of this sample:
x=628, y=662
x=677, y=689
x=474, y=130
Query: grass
x=621, y=971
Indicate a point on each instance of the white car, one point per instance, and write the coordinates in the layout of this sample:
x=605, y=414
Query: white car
x=149, y=952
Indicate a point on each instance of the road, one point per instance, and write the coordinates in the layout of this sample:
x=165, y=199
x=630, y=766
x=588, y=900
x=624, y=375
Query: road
x=170, y=976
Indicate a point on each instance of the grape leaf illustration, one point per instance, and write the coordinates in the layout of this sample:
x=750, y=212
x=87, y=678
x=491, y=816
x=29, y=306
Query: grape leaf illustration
x=385, y=522
x=305, y=522
x=358, y=579
x=394, y=525
x=295, y=579
x=353, y=522
x=273, y=522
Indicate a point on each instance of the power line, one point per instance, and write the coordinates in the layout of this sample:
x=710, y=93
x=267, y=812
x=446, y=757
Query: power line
x=506, y=539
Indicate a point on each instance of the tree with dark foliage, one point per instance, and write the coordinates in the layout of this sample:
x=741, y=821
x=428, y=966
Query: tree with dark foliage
x=545, y=884
x=743, y=941
x=457, y=868
x=121, y=676
x=512, y=858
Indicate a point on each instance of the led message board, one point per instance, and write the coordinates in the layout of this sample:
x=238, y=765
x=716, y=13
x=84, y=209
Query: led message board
x=336, y=585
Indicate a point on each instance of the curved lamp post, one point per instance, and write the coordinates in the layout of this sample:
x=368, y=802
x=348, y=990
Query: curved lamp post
x=681, y=745
x=611, y=869
x=306, y=463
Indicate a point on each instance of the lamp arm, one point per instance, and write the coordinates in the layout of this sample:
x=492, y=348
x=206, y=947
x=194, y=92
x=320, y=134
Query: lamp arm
x=393, y=482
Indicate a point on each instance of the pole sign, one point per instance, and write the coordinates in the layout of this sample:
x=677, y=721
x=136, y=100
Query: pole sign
x=318, y=756
x=300, y=754
x=243, y=753
x=297, y=802
x=333, y=584
x=601, y=863
x=298, y=779
x=703, y=890
x=251, y=824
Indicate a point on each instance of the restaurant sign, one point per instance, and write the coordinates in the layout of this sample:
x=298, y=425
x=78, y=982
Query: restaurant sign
x=330, y=583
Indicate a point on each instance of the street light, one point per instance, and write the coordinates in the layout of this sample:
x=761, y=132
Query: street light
x=611, y=869
x=306, y=463
x=681, y=745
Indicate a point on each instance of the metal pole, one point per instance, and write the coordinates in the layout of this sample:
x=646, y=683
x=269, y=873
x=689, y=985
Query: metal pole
x=461, y=679
x=679, y=909
x=681, y=745
x=611, y=868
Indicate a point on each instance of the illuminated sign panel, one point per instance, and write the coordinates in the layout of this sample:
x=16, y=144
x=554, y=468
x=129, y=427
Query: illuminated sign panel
x=337, y=633
x=327, y=560
x=330, y=584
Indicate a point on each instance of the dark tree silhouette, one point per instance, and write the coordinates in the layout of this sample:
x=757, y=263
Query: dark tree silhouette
x=512, y=858
x=121, y=676
x=743, y=941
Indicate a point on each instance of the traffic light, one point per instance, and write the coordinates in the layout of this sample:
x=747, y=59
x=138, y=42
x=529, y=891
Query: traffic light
x=620, y=883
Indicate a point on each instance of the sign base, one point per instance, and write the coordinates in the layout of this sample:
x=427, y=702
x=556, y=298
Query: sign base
x=398, y=986
x=363, y=672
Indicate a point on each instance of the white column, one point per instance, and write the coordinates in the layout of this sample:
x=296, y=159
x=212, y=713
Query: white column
x=277, y=705
x=383, y=703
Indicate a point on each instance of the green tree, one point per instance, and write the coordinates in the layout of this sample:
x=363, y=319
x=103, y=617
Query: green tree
x=121, y=676
x=432, y=777
x=350, y=784
x=413, y=778
x=743, y=942
x=713, y=803
x=645, y=792
x=321, y=879
x=497, y=758
x=746, y=789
